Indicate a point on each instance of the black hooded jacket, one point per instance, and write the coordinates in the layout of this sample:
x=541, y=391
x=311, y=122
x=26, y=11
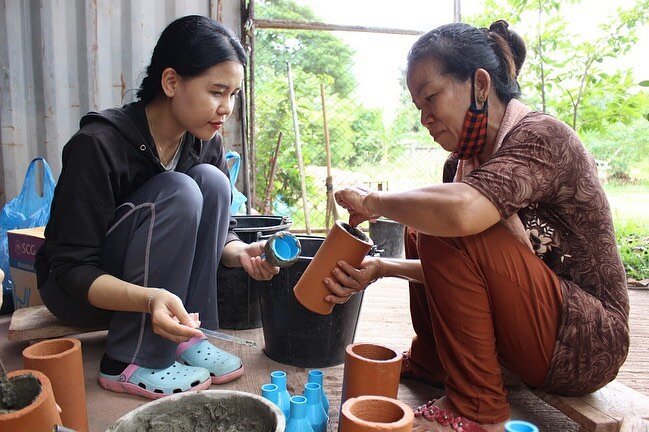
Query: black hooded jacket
x=107, y=160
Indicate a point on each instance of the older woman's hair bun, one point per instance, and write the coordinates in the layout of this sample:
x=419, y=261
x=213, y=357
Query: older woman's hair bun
x=460, y=49
x=514, y=52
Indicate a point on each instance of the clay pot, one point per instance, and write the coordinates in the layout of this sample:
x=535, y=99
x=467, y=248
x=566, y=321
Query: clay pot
x=60, y=360
x=204, y=411
x=371, y=370
x=342, y=243
x=375, y=414
x=40, y=415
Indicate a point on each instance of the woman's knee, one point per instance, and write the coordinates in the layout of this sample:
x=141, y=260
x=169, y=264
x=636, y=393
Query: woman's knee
x=213, y=183
x=184, y=192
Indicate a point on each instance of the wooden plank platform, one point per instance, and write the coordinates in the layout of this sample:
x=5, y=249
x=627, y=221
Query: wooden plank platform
x=634, y=424
x=605, y=410
x=34, y=323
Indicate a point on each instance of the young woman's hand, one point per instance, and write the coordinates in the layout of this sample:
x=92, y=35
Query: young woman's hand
x=345, y=280
x=352, y=198
x=170, y=319
x=256, y=266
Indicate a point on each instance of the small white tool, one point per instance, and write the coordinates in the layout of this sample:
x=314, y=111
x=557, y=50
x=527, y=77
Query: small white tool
x=227, y=337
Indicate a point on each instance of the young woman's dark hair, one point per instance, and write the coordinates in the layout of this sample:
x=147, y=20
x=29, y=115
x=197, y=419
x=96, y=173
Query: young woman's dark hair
x=189, y=45
x=461, y=49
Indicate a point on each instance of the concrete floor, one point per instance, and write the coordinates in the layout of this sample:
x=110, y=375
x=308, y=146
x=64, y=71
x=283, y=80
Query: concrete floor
x=384, y=319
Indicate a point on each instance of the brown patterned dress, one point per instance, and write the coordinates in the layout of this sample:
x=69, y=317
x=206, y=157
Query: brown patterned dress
x=543, y=172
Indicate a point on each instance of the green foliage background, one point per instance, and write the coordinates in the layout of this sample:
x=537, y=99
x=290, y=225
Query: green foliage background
x=579, y=79
x=316, y=57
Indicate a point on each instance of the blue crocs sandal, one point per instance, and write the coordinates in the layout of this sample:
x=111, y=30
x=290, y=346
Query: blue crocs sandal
x=223, y=366
x=156, y=383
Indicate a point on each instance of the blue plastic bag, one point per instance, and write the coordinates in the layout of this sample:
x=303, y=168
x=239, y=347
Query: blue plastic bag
x=233, y=160
x=27, y=210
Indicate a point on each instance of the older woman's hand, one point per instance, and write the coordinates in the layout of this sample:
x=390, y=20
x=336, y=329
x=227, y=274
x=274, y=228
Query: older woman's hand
x=345, y=280
x=352, y=198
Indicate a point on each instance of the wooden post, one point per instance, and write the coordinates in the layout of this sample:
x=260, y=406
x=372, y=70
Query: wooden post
x=331, y=204
x=271, y=176
x=298, y=148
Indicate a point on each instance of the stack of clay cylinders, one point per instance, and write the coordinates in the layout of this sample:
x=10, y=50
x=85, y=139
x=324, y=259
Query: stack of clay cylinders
x=61, y=361
x=343, y=243
x=40, y=415
x=375, y=414
x=371, y=369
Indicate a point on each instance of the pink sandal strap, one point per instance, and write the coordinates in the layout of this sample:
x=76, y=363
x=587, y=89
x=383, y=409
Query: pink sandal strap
x=129, y=371
x=182, y=347
x=445, y=417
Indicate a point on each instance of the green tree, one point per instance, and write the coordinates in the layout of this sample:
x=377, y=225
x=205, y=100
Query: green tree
x=565, y=76
x=407, y=128
x=356, y=132
x=582, y=81
x=645, y=84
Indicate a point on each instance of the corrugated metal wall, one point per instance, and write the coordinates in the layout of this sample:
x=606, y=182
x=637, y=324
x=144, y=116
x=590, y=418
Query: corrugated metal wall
x=62, y=58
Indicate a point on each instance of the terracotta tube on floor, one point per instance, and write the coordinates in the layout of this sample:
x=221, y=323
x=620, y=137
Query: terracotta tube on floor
x=375, y=414
x=40, y=415
x=60, y=360
x=371, y=370
x=343, y=243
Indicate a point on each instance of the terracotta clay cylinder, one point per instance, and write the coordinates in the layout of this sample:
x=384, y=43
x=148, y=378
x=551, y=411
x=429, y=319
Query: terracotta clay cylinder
x=375, y=414
x=371, y=370
x=343, y=243
x=40, y=415
x=60, y=360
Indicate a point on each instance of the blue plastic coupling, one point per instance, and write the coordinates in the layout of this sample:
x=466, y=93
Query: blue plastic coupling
x=270, y=392
x=298, y=407
x=520, y=426
x=282, y=249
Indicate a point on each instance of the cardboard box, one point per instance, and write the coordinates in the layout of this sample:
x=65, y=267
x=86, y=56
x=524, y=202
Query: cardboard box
x=23, y=245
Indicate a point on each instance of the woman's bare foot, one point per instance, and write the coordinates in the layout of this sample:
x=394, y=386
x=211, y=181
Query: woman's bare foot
x=422, y=425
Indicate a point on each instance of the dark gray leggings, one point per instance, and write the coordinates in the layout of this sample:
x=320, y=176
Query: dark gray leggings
x=169, y=234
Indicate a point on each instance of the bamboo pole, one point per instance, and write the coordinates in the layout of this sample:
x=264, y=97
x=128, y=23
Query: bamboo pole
x=249, y=29
x=331, y=203
x=298, y=148
x=271, y=176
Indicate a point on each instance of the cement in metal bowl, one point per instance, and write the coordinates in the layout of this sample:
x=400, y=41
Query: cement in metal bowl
x=204, y=411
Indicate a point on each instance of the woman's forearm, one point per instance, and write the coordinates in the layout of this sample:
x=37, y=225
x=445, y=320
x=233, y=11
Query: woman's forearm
x=109, y=292
x=444, y=210
x=409, y=269
x=231, y=251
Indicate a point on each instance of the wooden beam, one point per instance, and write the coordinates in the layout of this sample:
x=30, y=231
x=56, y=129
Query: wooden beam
x=34, y=323
x=304, y=25
x=604, y=410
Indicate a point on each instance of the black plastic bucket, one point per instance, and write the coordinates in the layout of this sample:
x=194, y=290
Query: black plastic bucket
x=238, y=293
x=387, y=235
x=251, y=228
x=292, y=334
